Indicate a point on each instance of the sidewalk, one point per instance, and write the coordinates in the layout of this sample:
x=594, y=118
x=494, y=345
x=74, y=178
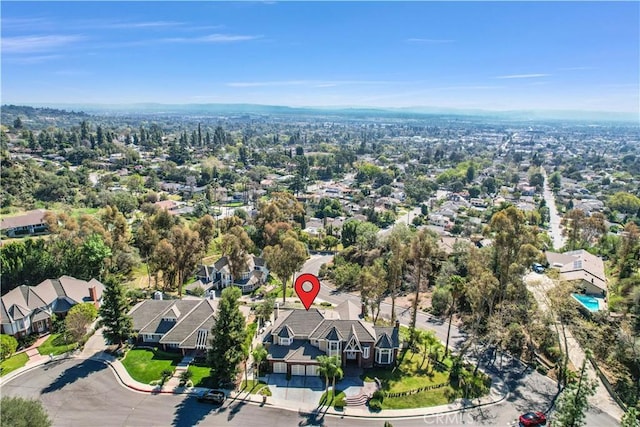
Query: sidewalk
x=94, y=350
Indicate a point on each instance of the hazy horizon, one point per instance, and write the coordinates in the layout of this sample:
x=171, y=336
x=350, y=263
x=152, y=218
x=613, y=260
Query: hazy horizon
x=489, y=57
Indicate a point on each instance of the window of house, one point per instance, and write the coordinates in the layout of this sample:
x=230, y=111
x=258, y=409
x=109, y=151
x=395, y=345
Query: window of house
x=383, y=356
x=365, y=352
x=285, y=341
x=333, y=347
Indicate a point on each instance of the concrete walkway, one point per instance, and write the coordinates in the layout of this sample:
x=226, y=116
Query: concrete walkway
x=539, y=285
x=95, y=350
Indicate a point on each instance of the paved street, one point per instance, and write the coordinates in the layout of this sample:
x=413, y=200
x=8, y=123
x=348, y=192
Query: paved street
x=77, y=392
x=554, y=218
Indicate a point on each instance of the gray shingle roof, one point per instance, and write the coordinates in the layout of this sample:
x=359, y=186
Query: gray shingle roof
x=392, y=336
x=148, y=316
x=222, y=262
x=333, y=335
x=286, y=332
x=190, y=322
x=302, y=322
x=348, y=310
x=298, y=351
x=384, y=341
x=344, y=328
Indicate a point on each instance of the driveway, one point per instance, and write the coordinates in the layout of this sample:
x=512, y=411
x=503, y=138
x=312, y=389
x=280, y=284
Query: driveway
x=301, y=389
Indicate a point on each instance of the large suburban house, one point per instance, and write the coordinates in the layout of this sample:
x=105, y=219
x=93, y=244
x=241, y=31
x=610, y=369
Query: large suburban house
x=298, y=337
x=218, y=275
x=583, y=267
x=29, y=309
x=29, y=224
x=176, y=325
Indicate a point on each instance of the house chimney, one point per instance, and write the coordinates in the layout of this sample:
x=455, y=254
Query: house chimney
x=363, y=310
x=93, y=294
x=277, y=312
x=397, y=325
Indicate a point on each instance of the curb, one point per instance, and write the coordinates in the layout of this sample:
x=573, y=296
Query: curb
x=248, y=399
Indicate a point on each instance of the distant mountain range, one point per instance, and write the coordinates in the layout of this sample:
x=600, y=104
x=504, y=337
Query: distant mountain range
x=359, y=112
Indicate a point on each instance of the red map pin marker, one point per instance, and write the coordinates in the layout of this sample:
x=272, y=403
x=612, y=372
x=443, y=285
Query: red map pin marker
x=307, y=287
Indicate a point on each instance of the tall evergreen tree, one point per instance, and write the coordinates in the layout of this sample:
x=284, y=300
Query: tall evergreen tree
x=117, y=323
x=227, y=338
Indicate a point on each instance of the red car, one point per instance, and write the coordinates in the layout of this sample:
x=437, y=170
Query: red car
x=532, y=419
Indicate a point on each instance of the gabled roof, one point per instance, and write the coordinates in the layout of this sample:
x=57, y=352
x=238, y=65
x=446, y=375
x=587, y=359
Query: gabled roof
x=333, y=335
x=147, y=315
x=30, y=218
x=286, y=332
x=348, y=310
x=353, y=343
x=190, y=323
x=222, y=262
x=48, y=292
x=304, y=322
x=579, y=265
x=384, y=341
x=298, y=351
x=387, y=337
x=344, y=328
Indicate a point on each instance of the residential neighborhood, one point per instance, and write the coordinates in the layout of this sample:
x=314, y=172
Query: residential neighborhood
x=320, y=214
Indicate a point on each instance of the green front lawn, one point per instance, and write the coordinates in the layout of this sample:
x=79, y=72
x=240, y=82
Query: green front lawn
x=411, y=374
x=14, y=362
x=56, y=344
x=255, y=387
x=201, y=375
x=328, y=398
x=145, y=365
x=437, y=397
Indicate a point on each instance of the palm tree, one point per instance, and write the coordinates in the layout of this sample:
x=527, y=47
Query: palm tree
x=259, y=354
x=325, y=368
x=330, y=368
x=457, y=286
x=338, y=372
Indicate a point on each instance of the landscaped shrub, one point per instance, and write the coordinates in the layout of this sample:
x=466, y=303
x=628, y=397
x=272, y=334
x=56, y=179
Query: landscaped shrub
x=340, y=402
x=198, y=291
x=166, y=374
x=27, y=340
x=378, y=395
x=185, y=377
x=375, y=405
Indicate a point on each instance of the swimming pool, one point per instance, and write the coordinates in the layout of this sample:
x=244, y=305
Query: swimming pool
x=588, y=302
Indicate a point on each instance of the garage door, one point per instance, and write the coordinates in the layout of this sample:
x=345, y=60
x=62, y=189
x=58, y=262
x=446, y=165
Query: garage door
x=312, y=370
x=279, y=368
x=298, y=370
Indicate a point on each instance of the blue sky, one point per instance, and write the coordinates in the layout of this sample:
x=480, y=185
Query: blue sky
x=494, y=56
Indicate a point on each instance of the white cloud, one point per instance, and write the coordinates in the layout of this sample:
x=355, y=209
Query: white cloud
x=523, y=76
x=212, y=38
x=35, y=59
x=28, y=44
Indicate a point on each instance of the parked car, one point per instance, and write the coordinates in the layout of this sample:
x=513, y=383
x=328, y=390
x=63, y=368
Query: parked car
x=538, y=268
x=217, y=397
x=532, y=419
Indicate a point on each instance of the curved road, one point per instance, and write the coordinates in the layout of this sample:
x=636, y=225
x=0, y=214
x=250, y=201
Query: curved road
x=80, y=392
